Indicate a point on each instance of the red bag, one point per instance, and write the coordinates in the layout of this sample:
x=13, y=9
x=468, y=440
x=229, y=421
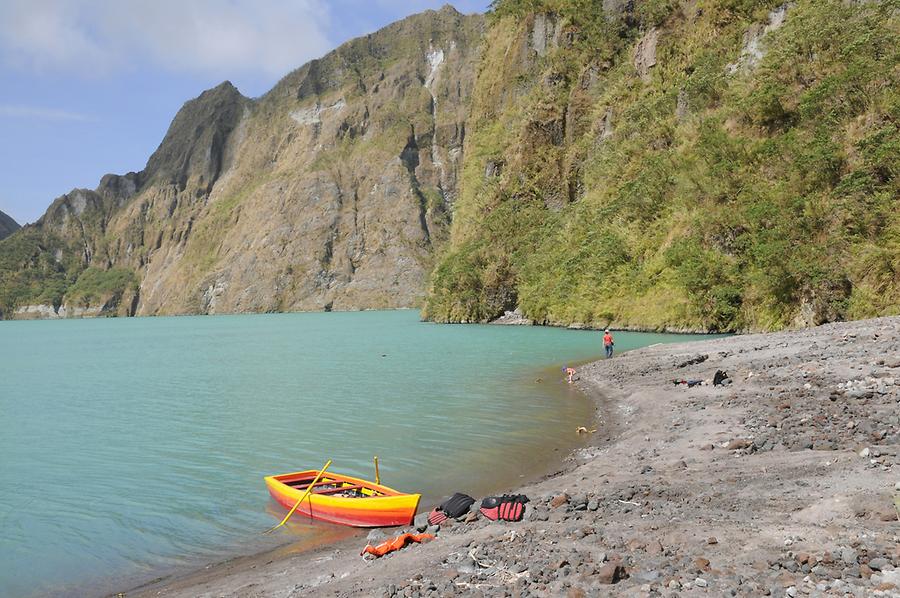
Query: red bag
x=491, y=513
x=437, y=516
x=511, y=511
x=505, y=508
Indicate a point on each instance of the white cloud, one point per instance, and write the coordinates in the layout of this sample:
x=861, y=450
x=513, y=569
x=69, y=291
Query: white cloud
x=221, y=37
x=19, y=111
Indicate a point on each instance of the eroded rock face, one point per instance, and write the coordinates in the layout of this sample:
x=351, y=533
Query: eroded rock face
x=645, y=53
x=753, y=50
x=329, y=192
x=545, y=33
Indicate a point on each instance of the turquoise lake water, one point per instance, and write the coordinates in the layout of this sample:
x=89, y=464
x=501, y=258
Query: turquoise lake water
x=133, y=447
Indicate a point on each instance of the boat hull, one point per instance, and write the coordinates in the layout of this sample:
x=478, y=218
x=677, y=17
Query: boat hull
x=389, y=509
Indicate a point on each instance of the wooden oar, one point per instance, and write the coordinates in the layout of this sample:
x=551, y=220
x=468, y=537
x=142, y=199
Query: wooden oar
x=305, y=494
x=377, y=476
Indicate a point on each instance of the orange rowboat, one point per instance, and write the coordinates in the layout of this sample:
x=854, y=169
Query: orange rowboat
x=345, y=500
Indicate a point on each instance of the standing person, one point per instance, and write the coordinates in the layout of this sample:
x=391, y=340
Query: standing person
x=608, y=343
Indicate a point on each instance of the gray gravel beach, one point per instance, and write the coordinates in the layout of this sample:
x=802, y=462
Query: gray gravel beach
x=782, y=483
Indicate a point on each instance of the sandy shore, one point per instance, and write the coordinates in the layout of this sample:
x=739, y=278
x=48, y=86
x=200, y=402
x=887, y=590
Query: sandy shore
x=782, y=483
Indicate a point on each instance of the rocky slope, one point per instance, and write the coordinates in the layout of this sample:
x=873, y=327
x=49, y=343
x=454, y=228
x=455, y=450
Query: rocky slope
x=713, y=165
x=662, y=164
x=329, y=192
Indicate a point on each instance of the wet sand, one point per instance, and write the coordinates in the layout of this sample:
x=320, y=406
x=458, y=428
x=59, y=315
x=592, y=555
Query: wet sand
x=782, y=483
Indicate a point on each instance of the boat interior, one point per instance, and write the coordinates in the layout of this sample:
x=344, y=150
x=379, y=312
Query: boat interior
x=334, y=487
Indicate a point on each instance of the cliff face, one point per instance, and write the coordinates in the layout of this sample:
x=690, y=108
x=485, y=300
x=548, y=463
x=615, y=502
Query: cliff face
x=7, y=226
x=668, y=164
x=329, y=192
x=680, y=165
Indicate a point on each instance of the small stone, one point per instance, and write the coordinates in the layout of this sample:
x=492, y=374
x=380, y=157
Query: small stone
x=593, y=505
x=865, y=453
x=701, y=563
x=558, y=501
x=849, y=556
x=700, y=582
x=467, y=566
x=712, y=540
x=878, y=564
x=791, y=591
x=610, y=573
x=707, y=447
x=647, y=576
x=635, y=544
x=737, y=444
x=421, y=522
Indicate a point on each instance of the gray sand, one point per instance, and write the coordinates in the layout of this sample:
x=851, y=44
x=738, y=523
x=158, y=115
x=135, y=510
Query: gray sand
x=781, y=483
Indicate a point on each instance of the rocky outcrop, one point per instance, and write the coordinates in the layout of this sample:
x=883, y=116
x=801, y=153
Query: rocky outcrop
x=329, y=192
x=753, y=51
x=7, y=226
x=645, y=53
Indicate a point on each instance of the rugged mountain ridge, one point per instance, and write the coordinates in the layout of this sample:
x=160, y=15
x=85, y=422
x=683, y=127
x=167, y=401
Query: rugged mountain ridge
x=328, y=192
x=653, y=164
x=7, y=225
x=680, y=165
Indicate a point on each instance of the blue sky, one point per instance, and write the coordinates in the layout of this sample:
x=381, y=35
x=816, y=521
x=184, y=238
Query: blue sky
x=89, y=87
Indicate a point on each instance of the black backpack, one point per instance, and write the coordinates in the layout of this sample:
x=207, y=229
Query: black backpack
x=457, y=505
x=720, y=377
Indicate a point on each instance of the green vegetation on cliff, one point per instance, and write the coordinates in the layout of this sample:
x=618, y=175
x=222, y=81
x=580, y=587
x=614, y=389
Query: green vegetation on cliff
x=719, y=164
x=30, y=272
x=95, y=284
x=680, y=164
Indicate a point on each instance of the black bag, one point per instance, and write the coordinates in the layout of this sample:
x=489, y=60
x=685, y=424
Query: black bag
x=720, y=377
x=457, y=505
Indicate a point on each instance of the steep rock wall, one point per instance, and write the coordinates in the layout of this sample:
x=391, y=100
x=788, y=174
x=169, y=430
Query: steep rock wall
x=329, y=192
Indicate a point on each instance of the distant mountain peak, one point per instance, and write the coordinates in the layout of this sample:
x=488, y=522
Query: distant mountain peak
x=7, y=225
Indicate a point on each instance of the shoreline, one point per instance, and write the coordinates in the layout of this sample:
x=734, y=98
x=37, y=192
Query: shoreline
x=780, y=484
x=187, y=577
x=39, y=312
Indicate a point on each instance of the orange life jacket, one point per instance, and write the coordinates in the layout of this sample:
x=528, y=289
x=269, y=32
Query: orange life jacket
x=395, y=543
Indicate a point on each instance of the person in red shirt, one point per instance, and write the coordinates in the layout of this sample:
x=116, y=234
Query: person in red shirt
x=608, y=343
